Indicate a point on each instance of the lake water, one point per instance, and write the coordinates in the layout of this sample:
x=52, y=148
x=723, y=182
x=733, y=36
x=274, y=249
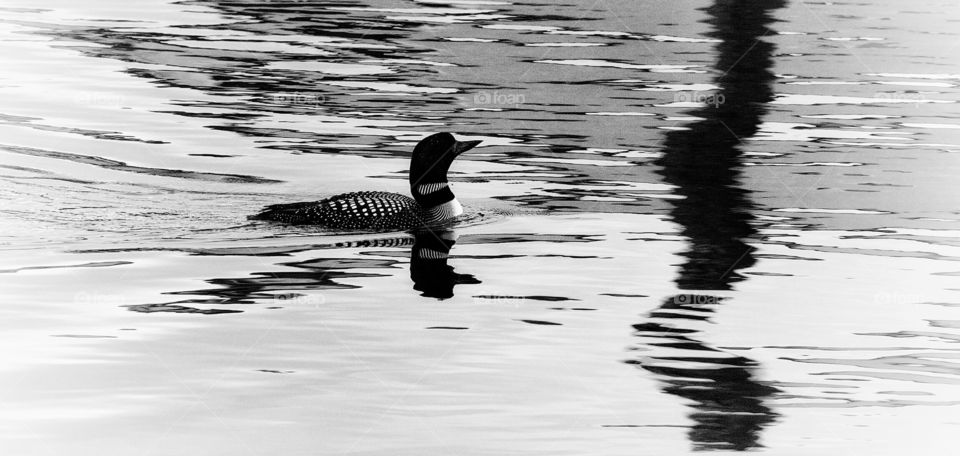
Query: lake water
x=693, y=226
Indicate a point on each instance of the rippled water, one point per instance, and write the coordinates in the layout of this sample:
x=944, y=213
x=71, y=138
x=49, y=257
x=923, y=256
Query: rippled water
x=694, y=226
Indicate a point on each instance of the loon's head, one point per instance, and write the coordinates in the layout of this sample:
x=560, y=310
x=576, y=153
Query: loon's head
x=428, y=169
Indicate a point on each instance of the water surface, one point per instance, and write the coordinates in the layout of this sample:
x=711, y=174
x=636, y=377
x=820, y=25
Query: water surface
x=694, y=226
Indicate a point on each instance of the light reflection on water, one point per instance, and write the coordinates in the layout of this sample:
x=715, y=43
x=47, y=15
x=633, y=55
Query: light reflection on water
x=751, y=202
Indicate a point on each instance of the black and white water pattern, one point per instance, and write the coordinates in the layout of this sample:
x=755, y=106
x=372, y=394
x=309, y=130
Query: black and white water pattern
x=695, y=225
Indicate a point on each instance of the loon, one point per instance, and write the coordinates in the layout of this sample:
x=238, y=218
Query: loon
x=433, y=202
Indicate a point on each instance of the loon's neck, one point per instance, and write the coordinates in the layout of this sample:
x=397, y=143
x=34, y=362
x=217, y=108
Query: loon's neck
x=430, y=187
x=445, y=211
x=437, y=200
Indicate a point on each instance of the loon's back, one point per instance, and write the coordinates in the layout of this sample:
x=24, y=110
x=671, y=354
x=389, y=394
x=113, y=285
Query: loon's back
x=351, y=211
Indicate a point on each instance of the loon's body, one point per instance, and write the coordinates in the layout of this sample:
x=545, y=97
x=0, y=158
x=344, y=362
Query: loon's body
x=433, y=202
x=361, y=211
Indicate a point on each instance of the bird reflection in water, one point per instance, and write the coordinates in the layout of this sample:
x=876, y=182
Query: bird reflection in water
x=429, y=271
x=431, y=274
x=704, y=163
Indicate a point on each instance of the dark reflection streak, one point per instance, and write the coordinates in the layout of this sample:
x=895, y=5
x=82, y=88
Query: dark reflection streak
x=715, y=216
x=428, y=270
x=283, y=287
x=246, y=72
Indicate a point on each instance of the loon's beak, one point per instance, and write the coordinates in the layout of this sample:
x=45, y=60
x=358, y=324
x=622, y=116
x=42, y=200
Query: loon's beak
x=463, y=146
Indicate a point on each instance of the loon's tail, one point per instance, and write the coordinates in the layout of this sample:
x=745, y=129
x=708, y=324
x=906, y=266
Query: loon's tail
x=289, y=213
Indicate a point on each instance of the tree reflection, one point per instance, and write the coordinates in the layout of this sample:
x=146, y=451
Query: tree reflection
x=704, y=163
